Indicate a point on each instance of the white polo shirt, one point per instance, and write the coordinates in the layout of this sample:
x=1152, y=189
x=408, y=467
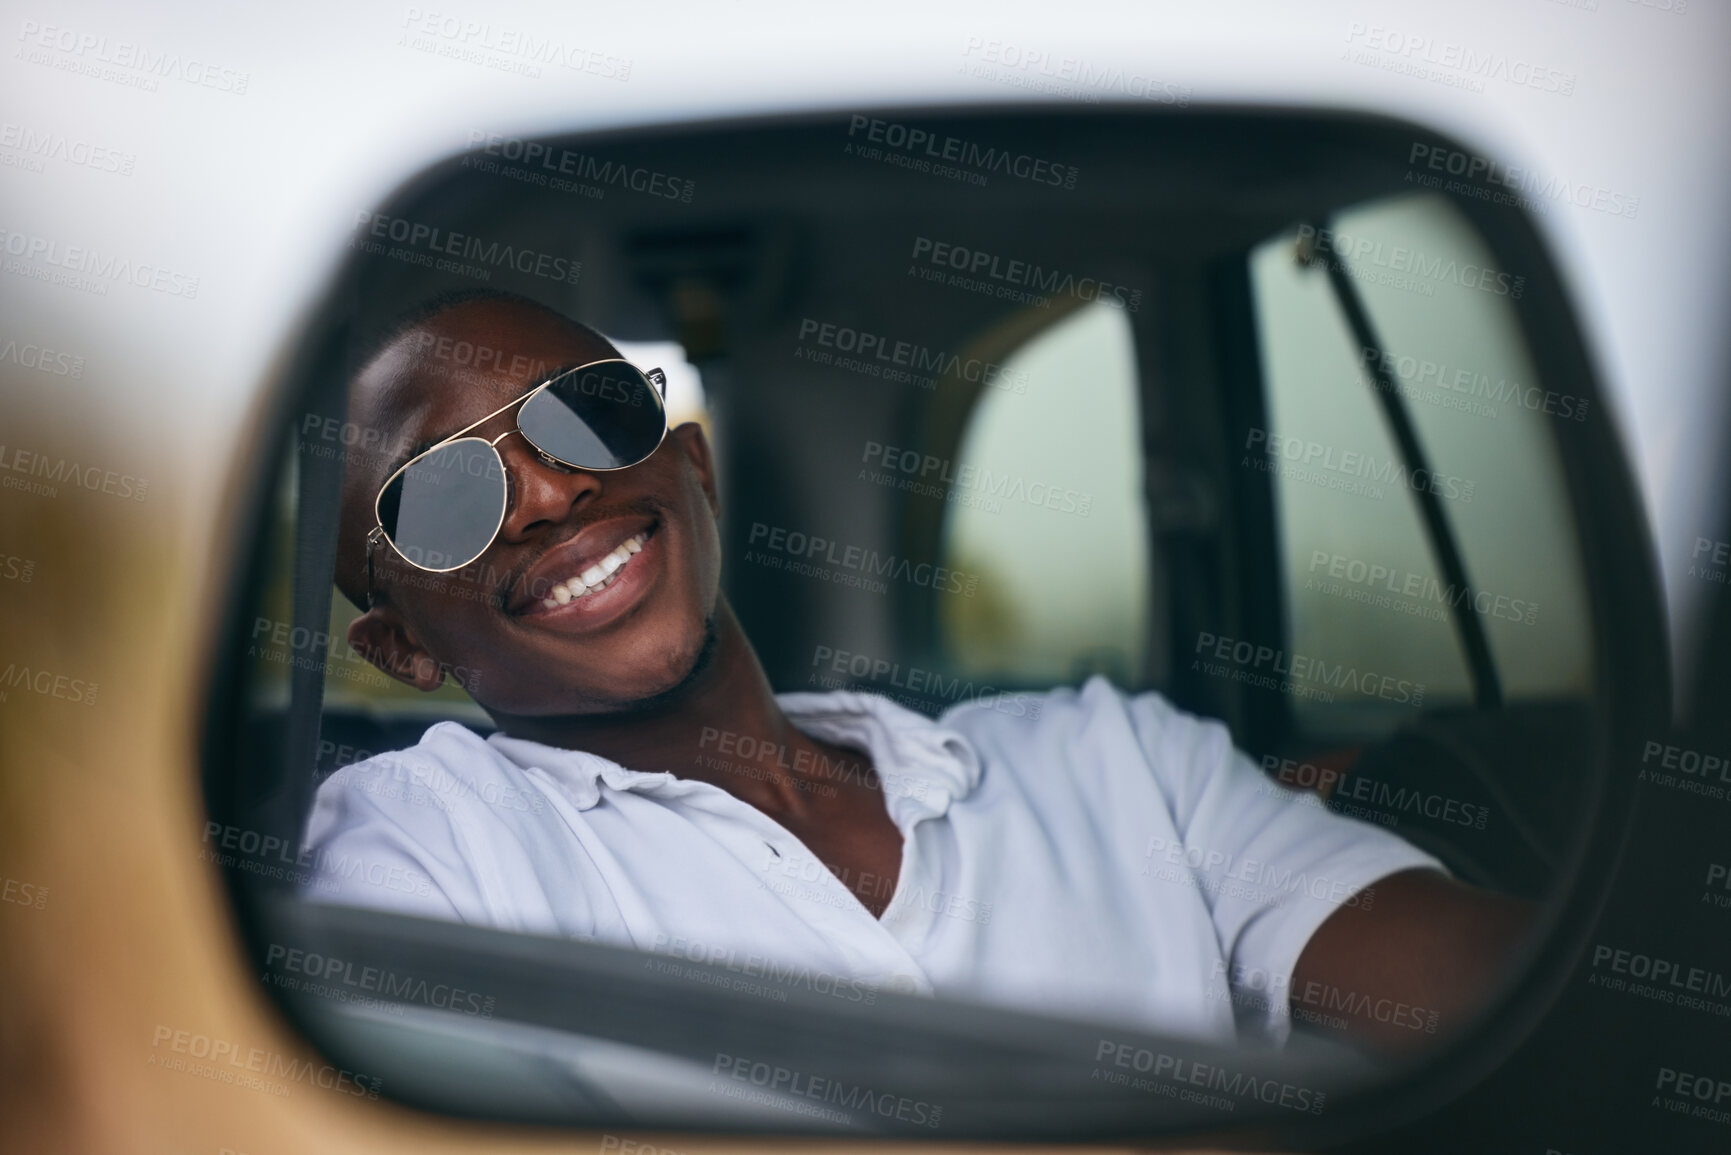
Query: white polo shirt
x=1104, y=856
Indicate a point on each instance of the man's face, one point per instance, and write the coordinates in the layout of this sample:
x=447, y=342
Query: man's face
x=637, y=636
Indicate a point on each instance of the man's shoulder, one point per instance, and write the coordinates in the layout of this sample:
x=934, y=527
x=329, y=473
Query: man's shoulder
x=973, y=702
x=442, y=743
x=450, y=764
x=1059, y=708
x=1095, y=732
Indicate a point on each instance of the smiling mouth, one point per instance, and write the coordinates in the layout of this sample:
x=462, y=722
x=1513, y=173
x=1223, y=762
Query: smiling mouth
x=598, y=576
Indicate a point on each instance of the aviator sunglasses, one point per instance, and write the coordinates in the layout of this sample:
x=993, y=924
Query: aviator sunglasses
x=445, y=505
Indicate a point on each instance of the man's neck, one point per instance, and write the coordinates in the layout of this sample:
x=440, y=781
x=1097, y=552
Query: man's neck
x=723, y=727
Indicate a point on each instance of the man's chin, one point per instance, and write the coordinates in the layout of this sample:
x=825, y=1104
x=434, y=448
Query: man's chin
x=674, y=684
x=679, y=686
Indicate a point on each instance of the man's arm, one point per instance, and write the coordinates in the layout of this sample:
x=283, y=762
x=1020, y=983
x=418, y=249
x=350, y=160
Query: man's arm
x=1414, y=965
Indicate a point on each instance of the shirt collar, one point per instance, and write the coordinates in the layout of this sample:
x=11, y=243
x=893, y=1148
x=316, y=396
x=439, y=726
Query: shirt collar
x=921, y=765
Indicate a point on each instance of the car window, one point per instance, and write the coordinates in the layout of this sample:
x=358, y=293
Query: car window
x=1045, y=502
x=1362, y=584
x=1487, y=416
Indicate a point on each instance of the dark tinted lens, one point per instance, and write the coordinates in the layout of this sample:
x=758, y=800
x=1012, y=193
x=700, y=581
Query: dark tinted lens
x=604, y=416
x=443, y=510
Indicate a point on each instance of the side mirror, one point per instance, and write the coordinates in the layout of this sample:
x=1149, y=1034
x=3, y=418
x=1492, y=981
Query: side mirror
x=1293, y=385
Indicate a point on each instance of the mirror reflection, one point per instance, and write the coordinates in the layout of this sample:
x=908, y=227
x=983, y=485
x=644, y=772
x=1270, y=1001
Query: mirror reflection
x=1175, y=628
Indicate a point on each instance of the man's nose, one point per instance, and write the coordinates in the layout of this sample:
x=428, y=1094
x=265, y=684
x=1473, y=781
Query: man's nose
x=542, y=492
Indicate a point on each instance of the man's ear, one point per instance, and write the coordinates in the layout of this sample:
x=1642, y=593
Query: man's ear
x=695, y=446
x=380, y=637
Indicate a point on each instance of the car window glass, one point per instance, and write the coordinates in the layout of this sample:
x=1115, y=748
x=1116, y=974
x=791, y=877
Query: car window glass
x=1047, y=508
x=1486, y=418
x=1362, y=582
x=1328, y=456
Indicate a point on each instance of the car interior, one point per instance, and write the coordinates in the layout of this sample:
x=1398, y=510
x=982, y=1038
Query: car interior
x=1239, y=408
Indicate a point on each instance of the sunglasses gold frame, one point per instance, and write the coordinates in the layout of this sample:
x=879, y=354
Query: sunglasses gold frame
x=656, y=379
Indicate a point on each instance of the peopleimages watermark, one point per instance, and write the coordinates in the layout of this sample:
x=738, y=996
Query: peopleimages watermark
x=467, y=360
x=1449, y=62
x=796, y=552
x=121, y=62
x=26, y=894
x=762, y=773
x=1224, y=875
x=808, y=879
x=1319, y=1004
x=921, y=150
x=1177, y=1078
x=284, y=643
x=1705, y=1097
x=28, y=148
x=29, y=355
x=357, y=445
x=86, y=269
x=433, y=247
x=632, y=1146
x=759, y=975
x=1361, y=796
x=1401, y=590
x=1332, y=247
x=1681, y=768
x=1718, y=876
x=1669, y=7
x=479, y=581
x=46, y=684
x=927, y=475
x=56, y=471
x=243, y=1062
x=17, y=569
x=909, y=362
x=1011, y=278
x=1301, y=675
x=1433, y=383
x=1345, y=470
x=761, y=753
x=567, y=170
x=504, y=49
x=1525, y=188
x=1716, y=567
x=332, y=977
x=1036, y=70
x=271, y=856
x=801, y=1093
x=1660, y=980
x=835, y=669
x=399, y=774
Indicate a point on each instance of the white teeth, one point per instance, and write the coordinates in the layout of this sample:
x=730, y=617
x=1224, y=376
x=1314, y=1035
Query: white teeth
x=598, y=576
